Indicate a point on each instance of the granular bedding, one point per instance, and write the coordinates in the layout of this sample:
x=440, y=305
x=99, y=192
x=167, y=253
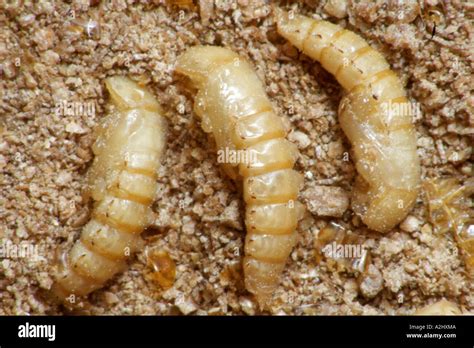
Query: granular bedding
x=55, y=56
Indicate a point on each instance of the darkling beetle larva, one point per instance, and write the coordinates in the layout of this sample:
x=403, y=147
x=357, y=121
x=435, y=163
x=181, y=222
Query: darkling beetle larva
x=375, y=115
x=233, y=106
x=122, y=183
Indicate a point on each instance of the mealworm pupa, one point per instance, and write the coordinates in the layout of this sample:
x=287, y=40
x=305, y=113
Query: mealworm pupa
x=122, y=184
x=442, y=307
x=450, y=209
x=375, y=115
x=233, y=105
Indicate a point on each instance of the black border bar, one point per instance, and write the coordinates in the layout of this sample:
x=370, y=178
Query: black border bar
x=242, y=330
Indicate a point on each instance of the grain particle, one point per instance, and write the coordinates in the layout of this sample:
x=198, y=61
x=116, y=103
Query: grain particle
x=326, y=200
x=410, y=224
x=372, y=282
x=300, y=138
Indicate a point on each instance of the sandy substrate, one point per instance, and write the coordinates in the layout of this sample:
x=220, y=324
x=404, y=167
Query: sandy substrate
x=62, y=52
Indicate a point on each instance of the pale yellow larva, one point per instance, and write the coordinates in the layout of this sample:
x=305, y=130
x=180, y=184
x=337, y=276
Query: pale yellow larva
x=122, y=183
x=233, y=105
x=375, y=115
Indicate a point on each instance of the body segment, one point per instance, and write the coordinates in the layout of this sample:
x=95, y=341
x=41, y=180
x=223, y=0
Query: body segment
x=375, y=115
x=232, y=104
x=122, y=184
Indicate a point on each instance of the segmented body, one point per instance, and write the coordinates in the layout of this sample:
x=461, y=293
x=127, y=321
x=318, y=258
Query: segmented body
x=233, y=106
x=375, y=115
x=122, y=183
